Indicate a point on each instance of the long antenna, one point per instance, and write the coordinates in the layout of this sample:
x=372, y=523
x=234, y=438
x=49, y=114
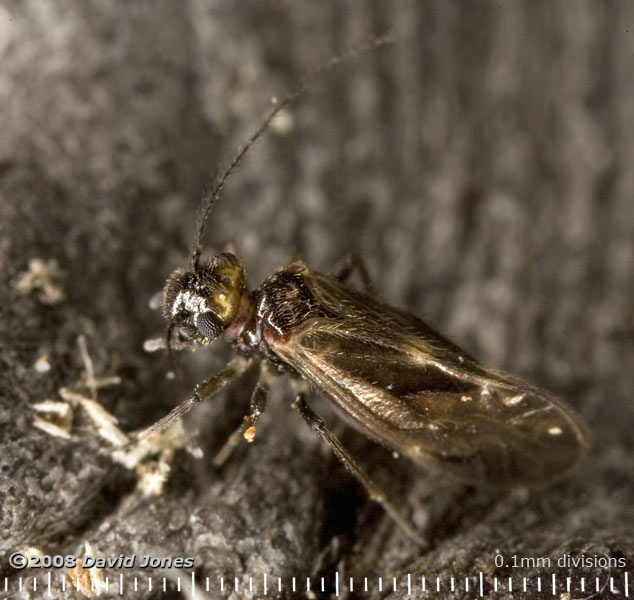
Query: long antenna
x=211, y=195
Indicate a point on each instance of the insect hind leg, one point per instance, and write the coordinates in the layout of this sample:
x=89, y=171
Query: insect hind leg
x=257, y=405
x=352, y=263
x=317, y=424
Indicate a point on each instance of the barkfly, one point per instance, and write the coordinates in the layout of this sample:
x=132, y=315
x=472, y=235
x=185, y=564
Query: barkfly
x=389, y=374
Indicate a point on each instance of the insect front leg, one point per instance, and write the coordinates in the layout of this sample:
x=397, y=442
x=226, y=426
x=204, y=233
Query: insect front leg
x=202, y=391
x=316, y=423
x=351, y=263
x=246, y=429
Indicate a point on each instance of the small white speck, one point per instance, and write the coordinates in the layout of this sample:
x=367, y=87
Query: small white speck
x=154, y=344
x=283, y=123
x=156, y=301
x=485, y=393
x=513, y=400
x=42, y=365
x=196, y=452
x=433, y=427
x=555, y=431
x=466, y=398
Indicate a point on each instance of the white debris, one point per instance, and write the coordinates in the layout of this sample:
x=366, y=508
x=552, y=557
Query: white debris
x=44, y=278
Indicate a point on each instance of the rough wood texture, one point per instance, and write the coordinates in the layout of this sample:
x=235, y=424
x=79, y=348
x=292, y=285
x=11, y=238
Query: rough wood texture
x=483, y=167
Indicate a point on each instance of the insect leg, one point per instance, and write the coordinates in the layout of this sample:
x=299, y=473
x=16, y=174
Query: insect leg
x=202, y=391
x=257, y=406
x=316, y=423
x=349, y=264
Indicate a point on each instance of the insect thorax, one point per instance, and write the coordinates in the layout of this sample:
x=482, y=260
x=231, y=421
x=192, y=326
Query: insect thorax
x=284, y=301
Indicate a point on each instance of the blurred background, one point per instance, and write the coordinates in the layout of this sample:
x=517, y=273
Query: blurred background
x=482, y=167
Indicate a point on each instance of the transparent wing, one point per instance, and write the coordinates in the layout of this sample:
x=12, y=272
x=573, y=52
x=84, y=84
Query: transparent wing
x=396, y=380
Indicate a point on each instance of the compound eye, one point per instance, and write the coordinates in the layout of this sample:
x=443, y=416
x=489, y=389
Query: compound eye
x=209, y=325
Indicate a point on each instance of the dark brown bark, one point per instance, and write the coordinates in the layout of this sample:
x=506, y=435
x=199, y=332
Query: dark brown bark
x=482, y=166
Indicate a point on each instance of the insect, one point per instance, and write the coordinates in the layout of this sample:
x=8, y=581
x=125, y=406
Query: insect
x=389, y=374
